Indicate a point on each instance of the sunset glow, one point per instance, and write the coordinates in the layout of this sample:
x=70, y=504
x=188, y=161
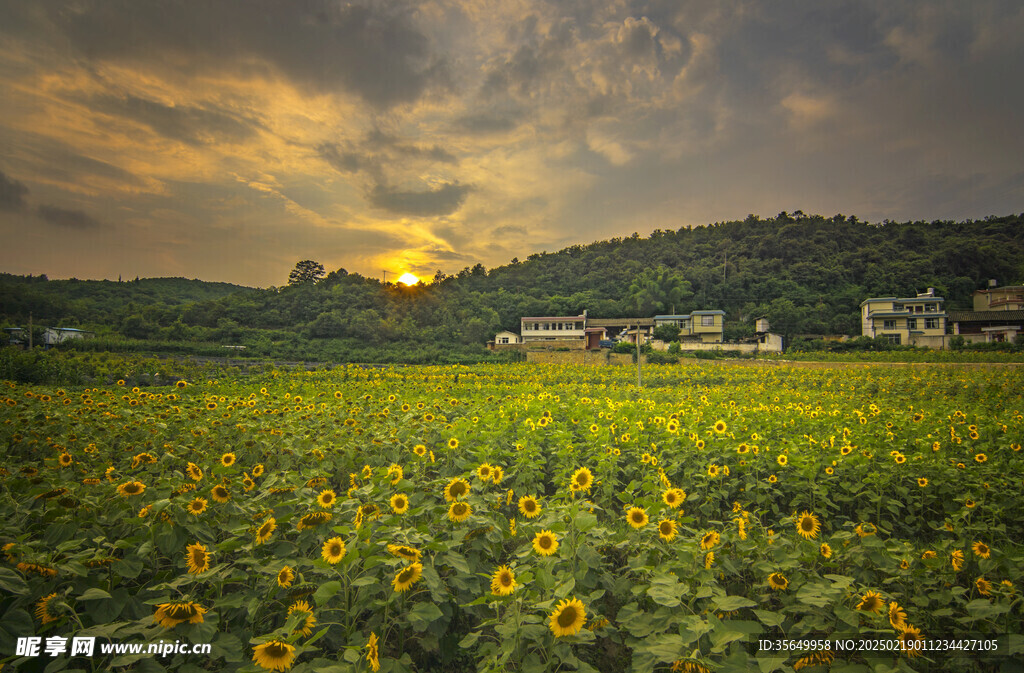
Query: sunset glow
x=229, y=140
x=408, y=279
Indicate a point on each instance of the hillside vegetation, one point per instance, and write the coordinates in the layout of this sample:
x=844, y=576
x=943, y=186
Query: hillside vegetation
x=805, y=273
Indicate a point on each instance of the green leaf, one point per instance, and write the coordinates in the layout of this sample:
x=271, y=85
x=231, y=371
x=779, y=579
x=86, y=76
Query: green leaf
x=730, y=603
x=469, y=640
x=457, y=561
x=769, y=618
x=94, y=594
x=423, y=614
x=12, y=582
x=326, y=592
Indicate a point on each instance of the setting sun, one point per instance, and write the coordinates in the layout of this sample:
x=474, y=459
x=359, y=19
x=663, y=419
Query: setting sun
x=408, y=279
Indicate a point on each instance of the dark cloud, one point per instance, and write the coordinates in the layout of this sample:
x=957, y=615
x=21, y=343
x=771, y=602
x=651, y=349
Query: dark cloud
x=12, y=193
x=72, y=219
x=508, y=230
x=344, y=158
x=326, y=46
x=485, y=122
x=181, y=122
x=444, y=200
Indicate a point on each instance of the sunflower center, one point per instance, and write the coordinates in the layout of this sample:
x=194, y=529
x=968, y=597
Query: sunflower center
x=544, y=542
x=198, y=558
x=264, y=529
x=529, y=505
x=807, y=525
x=459, y=509
x=335, y=549
x=505, y=579
x=275, y=650
x=399, y=503
x=666, y=528
x=406, y=575
x=567, y=617
x=638, y=517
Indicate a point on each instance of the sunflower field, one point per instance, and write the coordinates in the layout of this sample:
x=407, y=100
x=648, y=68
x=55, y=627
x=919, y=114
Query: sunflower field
x=519, y=518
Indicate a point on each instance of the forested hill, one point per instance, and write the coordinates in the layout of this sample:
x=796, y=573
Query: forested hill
x=67, y=302
x=805, y=273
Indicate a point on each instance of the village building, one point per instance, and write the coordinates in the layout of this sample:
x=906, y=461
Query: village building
x=908, y=321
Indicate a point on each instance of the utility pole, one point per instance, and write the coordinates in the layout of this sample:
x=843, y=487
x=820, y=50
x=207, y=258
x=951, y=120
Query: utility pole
x=385, y=276
x=639, y=382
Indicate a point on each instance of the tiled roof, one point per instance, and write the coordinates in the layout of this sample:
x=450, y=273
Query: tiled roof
x=986, y=316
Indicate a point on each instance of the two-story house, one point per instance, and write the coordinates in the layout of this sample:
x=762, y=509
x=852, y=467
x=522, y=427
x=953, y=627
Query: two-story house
x=913, y=321
x=704, y=326
x=998, y=315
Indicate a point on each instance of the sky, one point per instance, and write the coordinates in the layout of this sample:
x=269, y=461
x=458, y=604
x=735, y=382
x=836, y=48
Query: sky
x=228, y=140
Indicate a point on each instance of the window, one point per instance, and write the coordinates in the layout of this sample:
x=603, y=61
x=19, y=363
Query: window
x=503, y=340
x=897, y=307
x=911, y=323
x=893, y=338
x=931, y=308
x=707, y=321
x=888, y=324
x=931, y=323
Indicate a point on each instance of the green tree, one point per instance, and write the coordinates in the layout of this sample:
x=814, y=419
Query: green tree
x=659, y=289
x=306, y=271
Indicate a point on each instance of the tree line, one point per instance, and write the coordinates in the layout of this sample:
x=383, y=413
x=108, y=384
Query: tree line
x=807, y=274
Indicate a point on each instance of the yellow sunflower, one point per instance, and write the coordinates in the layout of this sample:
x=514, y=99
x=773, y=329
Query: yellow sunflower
x=709, y=540
x=871, y=602
x=782, y=459
x=265, y=530
x=220, y=493
x=956, y=558
x=529, y=506
x=43, y=609
x=399, y=503
x=636, y=517
x=407, y=576
x=307, y=622
x=674, y=497
x=453, y=443
x=227, y=460
x=983, y=586
x=582, y=480
x=568, y=618
x=274, y=655
x=545, y=543
x=825, y=550
x=503, y=582
x=197, y=506
x=720, y=427
x=65, y=459
x=778, y=581
x=327, y=498
x=456, y=489
x=198, y=558
x=373, y=653
x=285, y=577
x=131, y=488
x=333, y=550
x=404, y=551
x=666, y=529
x=459, y=511
x=897, y=616
x=484, y=472
x=169, y=615
x=497, y=474
x=807, y=525
x=865, y=529
x=981, y=549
